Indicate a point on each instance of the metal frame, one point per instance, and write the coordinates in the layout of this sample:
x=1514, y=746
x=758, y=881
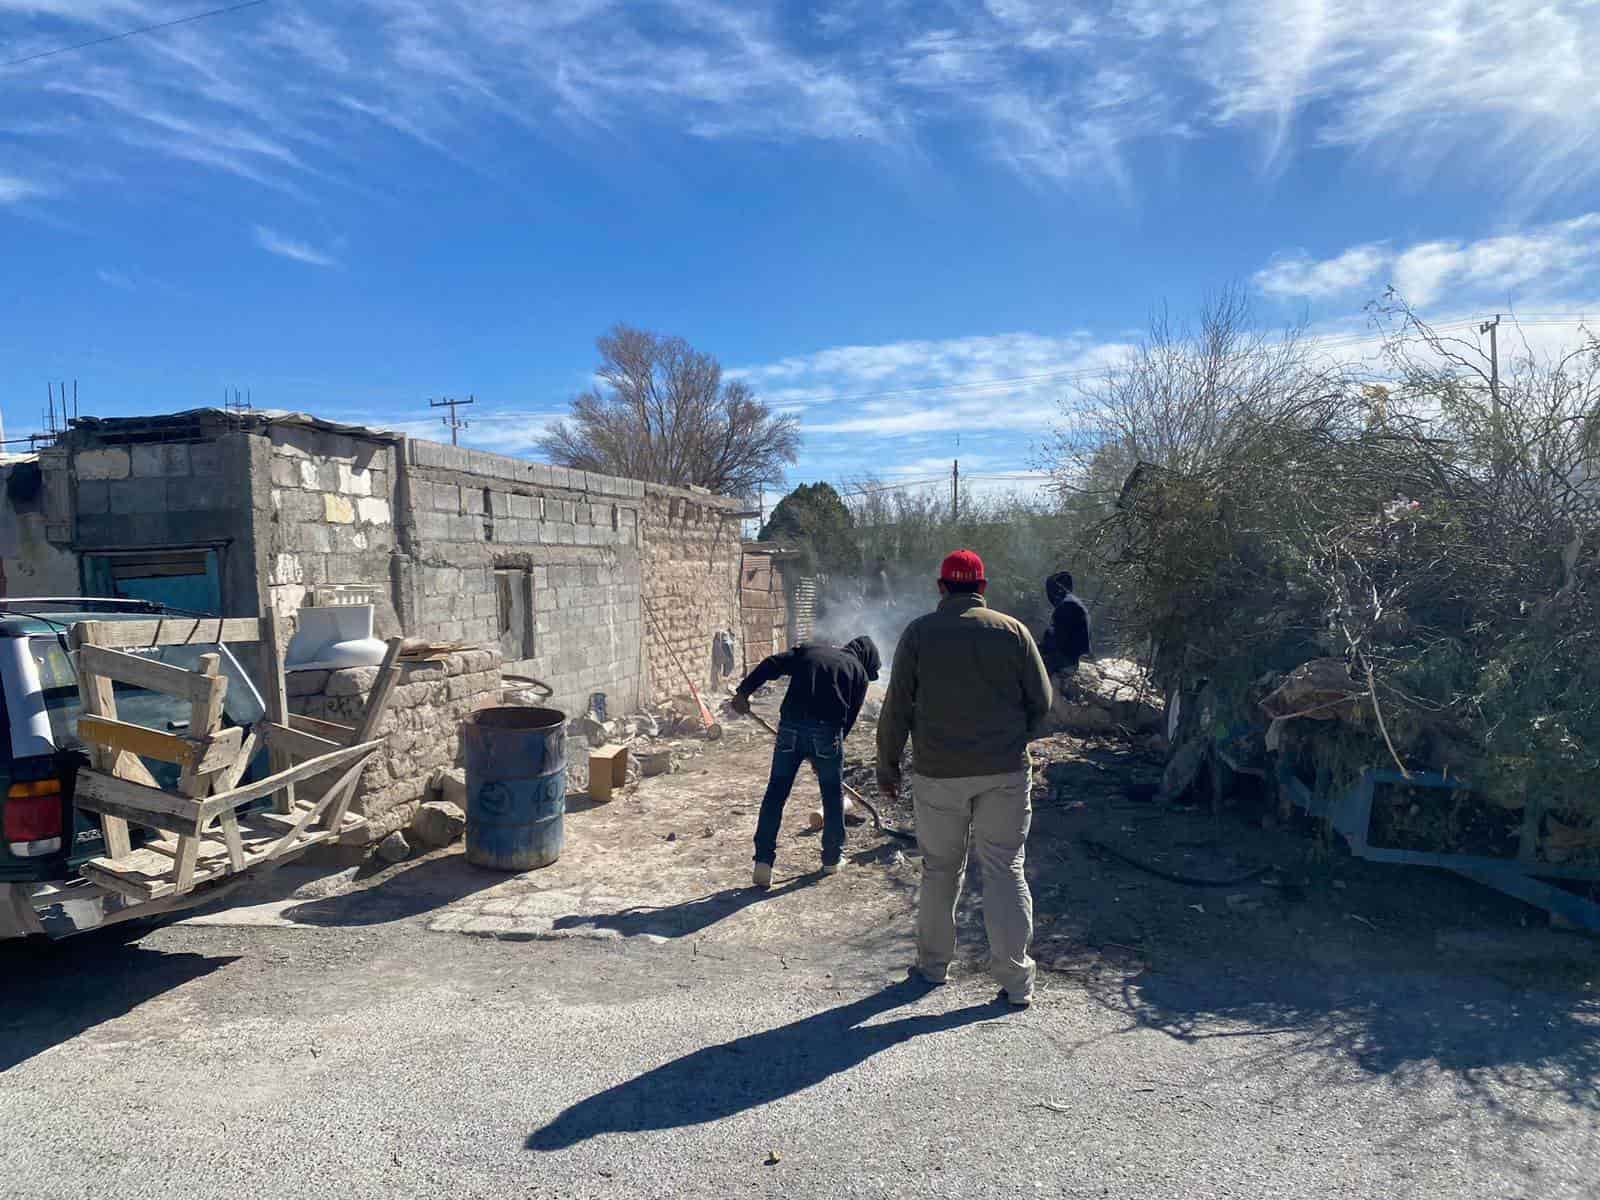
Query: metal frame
x=1523, y=877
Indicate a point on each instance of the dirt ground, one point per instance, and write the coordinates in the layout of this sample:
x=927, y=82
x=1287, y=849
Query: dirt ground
x=669, y=858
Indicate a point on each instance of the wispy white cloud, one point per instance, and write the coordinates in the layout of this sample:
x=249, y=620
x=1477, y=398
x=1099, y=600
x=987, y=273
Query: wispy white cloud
x=1063, y=95
x=14, y=189
x=1546, y=258
x=274, y=242
x=1299, y=275
x=900, y=410
x=116, y=279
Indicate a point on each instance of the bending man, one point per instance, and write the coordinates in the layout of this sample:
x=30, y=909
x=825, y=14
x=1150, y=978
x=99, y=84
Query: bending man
x=827, y=686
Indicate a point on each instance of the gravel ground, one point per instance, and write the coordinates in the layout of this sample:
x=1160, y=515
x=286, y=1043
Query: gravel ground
x=331, y=1042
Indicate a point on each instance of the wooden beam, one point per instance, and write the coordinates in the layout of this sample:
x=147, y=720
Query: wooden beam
x=220, y=751
x=277, y=703
x=382, y=689
x=241, y=763
x=178, y=631
x=234, y=797
x=119, y=799
x=96, y=697
x=284, y=741
x=332, y=730
x=147, y=673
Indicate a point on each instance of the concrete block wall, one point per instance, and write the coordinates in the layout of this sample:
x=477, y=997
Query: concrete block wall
x=691, y=582
x=331, y=517
x=465, y=513
x=422, y=725
x=173, y=493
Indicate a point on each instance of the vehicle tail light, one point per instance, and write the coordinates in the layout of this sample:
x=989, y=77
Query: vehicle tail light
x=33, y=818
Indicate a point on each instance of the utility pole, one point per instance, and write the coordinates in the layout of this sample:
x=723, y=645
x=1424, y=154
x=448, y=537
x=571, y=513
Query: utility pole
x=456, y=423
x=955, y=489
x=1491, y=328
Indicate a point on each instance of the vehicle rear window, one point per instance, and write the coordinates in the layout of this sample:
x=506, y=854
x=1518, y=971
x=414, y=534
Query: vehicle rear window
x=59, y=684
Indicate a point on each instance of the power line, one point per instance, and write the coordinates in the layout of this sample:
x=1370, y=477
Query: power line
x=117, y=37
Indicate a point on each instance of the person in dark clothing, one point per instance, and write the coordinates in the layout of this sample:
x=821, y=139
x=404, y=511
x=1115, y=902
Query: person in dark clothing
x=1067, y=639
x=827, y=686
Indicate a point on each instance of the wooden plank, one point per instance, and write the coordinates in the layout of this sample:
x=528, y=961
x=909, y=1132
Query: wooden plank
x=234, y=797
x=332, y=803
x=277, y=704
x=141, y=740
x=167, y=844
x=110, y=809
x=382, y=689
x=222, y=752
x=96, y=697
x=280, y=823
x=230, y=776
x=229, y=821
x=205, y=711
x=137, y=739
x=146, y=874
x=146, y=673
x=178, y=631
x=97, y=791
x=287, y=741
x=332, y=730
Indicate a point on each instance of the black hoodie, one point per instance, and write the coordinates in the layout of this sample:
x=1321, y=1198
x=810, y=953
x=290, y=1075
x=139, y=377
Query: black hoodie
x=827, y=684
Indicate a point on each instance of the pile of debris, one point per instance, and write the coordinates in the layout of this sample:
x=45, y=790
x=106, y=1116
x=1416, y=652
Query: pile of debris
x=1111, y=697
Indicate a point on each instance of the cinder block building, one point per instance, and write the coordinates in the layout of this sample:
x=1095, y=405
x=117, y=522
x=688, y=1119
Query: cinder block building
x=585, y=581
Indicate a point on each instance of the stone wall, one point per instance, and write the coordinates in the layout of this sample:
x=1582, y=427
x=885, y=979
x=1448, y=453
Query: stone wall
x=480, y=529
x=331, y=518
x=423, y=725
x=691, y=583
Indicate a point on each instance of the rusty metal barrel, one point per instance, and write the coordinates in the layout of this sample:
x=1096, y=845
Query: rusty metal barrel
x=516, y=786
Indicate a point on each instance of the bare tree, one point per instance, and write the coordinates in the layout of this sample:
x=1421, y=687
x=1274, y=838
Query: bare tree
x=664, y=413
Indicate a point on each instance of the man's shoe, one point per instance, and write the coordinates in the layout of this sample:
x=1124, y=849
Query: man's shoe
x=833, y=868
x=762, y=876
x=918, y=974
x=1005, y=998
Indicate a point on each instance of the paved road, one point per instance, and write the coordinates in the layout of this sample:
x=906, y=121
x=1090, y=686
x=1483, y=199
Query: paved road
x=376, y=1057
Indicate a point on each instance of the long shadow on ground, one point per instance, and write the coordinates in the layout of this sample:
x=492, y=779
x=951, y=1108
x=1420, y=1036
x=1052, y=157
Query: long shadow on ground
x=432, y=883
x=1487, y=1033
x=732, y=1077
x=686, y=918
x=56, y=991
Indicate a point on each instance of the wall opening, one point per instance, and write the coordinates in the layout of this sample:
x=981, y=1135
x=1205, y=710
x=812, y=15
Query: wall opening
x=185, y=579
x=513, y=602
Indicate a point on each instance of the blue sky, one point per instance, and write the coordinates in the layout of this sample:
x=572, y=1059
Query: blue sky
x=872, y=210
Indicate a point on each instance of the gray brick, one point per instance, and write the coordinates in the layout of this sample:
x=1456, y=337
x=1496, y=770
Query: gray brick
x=500, y=504
x=285, y=472
x=314, y=537
x=161, y=458
x=565, y=575
x=138, y=495
x=446, y=498
x=205, y=458
x=94, y=496
x=435, y=526
x=472, y=500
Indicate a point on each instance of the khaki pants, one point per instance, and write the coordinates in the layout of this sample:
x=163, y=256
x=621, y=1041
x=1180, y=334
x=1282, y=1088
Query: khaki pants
x=991, y=812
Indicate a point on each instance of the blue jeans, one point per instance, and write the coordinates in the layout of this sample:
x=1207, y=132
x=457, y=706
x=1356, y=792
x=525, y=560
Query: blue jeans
x=823, y=746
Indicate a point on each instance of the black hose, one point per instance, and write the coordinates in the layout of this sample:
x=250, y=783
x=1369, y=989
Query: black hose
x=1172, y=876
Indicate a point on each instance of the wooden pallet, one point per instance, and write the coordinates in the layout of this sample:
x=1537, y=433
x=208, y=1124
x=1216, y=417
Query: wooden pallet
x=206, y=835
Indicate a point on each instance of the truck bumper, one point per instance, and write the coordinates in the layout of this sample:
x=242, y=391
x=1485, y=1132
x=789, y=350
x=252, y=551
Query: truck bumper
x=61, y=909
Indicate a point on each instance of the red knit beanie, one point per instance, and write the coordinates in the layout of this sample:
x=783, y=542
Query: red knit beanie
x=962, y=567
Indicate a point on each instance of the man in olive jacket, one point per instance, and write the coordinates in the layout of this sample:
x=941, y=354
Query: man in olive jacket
x=969, y=688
